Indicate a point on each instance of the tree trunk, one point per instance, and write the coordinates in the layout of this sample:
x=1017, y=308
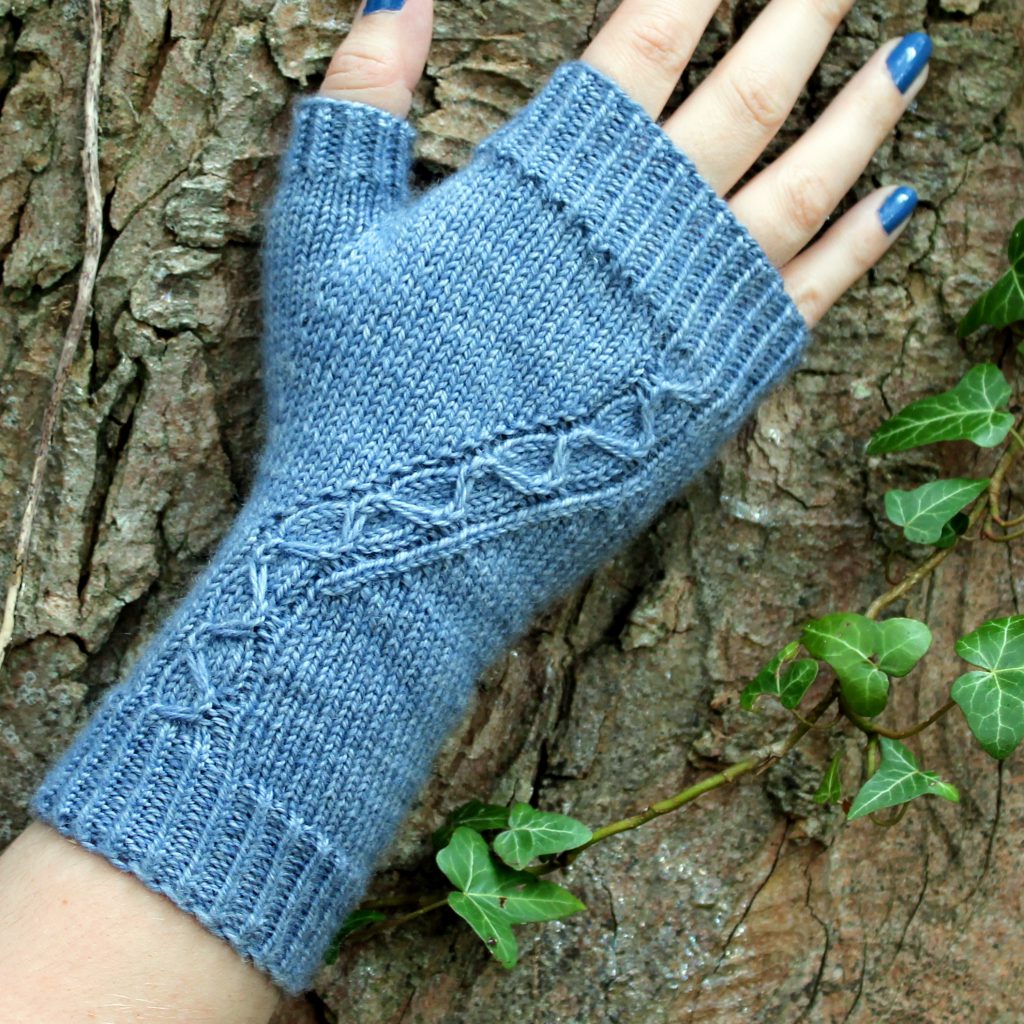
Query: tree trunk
x=756, y=903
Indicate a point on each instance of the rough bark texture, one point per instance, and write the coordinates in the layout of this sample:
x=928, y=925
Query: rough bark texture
x=754, y=905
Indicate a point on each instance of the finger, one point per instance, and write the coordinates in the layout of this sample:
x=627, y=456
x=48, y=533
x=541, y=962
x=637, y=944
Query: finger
x=645, y=45
x=383, y=56
x=735, y=112
x=823, y=272
x=786, y=204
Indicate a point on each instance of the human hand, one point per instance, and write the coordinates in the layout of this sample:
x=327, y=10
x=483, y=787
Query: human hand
x=473, y=399
x=727, y=121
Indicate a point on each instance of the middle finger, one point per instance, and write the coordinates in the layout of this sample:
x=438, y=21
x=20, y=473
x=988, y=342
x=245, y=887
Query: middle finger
x=735, y=112
x=646, y=44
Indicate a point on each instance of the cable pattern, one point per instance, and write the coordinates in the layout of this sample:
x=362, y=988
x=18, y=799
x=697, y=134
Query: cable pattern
x=472, y=399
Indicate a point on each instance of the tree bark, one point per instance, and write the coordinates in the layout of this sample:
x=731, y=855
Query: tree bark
x=754, y=904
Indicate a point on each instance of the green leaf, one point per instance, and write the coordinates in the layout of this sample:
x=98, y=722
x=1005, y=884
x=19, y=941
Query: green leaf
x=831, y=789
x=846, y=640
x=924, y=511
x=899, y=778
x=356, y=920
x=474, y=814
x=953, y=529
x=493, y=896
x=532, y=833
x=789, y=685
x=1003, y=303
x=992, y=700
x=902, y=643
x=972, y=410
x=493, y=927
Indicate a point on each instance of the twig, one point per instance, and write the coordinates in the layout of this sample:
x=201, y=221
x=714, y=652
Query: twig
x=76, y=325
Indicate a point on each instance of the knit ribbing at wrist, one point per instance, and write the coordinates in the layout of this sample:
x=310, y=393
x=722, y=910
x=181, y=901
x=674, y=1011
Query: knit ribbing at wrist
x=590, y=148
x=348, y=139
x=258, y=877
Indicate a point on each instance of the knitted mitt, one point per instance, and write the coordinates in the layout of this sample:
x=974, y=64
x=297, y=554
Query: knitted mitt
x=473, y=399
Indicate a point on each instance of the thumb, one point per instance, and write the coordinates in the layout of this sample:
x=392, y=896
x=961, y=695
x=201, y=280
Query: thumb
x=382, y=58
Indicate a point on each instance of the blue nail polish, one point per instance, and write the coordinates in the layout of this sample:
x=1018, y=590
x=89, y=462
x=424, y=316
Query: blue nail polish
x=898, y=206
x=909, y=57
x=372, y=6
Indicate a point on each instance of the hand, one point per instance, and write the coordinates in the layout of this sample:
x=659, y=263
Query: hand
x=725, y=124
x=296, y=708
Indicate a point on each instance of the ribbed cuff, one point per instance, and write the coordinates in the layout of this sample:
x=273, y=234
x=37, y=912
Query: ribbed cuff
x=346, y=140
x=270, y=884
x=594, y=151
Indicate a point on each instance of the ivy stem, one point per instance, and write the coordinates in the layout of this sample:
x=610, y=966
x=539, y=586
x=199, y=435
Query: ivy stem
x=691, y=793
x=995, y=488
x=989, y=535
x=872, y=729
x=871, y=760
x=927, y=567
x=817, y=726
x=655, y=810
x=1015, y=521
x=370, y=930
x=383, y=902
x=893, y=819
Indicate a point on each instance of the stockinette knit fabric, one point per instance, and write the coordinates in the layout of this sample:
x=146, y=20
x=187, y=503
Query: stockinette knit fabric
x=474, y=397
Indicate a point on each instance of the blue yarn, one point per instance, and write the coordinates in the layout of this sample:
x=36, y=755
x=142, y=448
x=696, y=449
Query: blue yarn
x=474, y=397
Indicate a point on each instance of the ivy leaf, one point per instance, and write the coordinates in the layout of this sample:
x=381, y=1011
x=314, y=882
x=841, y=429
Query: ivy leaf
x=1003, y=303
x=992, y=700
x=924, y=511
x=474, y=814
x=789, y=686
x=492, y=896
x=356, y=920
x=532, y=833
x=899, y=778
x=831, y=789
x=902, y=643
x=953, y=529
x=973, y=410
x=846, y=640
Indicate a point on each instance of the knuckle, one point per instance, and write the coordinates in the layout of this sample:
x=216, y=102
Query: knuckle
x=361, y=69
x=761, y=97
x=809, y=298
x=863, y=251
x=877, y=104
x=831, y=12
x=658, y=45
x=806, y=200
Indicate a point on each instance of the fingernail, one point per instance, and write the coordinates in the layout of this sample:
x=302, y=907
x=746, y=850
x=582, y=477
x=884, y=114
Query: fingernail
x=373, y=6
x=909, y=57
x=898, y=206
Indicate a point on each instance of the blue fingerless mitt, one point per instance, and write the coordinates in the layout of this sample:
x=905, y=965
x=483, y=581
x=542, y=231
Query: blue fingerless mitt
x=474, y=397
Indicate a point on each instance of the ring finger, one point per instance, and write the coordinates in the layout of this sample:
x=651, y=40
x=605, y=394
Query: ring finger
x=786, y=204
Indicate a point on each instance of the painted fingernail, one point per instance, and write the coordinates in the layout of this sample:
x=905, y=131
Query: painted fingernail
x=373, y=6
x=898, y=206
x=909, y=57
